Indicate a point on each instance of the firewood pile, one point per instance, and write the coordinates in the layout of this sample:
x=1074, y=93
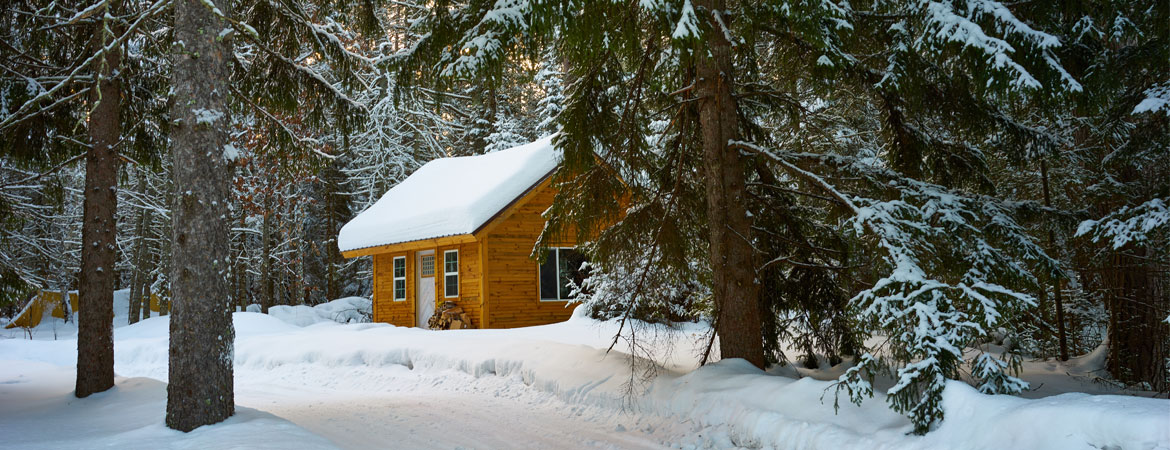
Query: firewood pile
x=450, y=316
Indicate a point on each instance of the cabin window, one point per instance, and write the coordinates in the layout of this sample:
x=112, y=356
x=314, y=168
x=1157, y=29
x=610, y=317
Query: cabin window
x=399, y=278
x=560, y=266
x=451, y=273
x=428, y=266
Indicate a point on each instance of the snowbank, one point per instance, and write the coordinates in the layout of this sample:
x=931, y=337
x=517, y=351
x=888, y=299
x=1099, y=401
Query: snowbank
x=342, y=310
x=731, y=401
x=450, y=196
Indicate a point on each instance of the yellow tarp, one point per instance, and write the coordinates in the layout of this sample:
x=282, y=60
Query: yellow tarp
x=32, y=313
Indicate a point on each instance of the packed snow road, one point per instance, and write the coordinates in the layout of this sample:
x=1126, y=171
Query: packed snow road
x=451, y=411
x=37, y=410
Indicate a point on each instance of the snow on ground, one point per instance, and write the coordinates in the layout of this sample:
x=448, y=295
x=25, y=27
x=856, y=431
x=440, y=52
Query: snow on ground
x=342, y=310
x=38, y=410
x=374, y=385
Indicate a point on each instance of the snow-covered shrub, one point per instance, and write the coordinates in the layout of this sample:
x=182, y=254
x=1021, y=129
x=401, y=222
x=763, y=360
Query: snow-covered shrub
x=640, y=291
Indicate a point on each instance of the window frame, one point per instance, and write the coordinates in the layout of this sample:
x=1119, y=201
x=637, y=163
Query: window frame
x=423, y=265
x=557, y=264
x=447, y=274
x=395, y=278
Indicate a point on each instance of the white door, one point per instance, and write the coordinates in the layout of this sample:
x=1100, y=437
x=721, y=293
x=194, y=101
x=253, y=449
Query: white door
x=425, y=301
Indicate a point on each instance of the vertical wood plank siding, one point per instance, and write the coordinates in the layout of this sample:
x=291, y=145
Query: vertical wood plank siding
x=513, y=277
x=387, y=310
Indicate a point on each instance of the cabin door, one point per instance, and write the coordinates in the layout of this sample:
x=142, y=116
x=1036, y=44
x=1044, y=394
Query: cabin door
x=425, y=302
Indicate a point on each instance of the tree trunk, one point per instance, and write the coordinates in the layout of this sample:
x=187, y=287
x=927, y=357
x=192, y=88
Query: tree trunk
x=65, y=306
x=238, y=274
x=138, y=277
x=95, y=333
x=267, y=295
x=1061, y=335
x=200, y=391
x=733, y=272
x=1138, y=304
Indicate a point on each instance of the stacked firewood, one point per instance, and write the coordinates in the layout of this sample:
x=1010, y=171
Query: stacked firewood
x=450, y=316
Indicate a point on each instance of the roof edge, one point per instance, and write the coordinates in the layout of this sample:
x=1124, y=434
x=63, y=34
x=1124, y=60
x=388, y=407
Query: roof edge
x=436, y=241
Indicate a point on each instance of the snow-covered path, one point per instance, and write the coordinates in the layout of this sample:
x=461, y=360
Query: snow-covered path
x=437, y=417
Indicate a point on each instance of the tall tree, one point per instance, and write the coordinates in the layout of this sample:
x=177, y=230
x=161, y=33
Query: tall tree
x=734, y=283
x=200, y=389
x=95, y=333
x=71, y=59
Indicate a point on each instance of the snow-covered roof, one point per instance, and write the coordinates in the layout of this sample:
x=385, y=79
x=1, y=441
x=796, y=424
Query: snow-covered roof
x=450, y=196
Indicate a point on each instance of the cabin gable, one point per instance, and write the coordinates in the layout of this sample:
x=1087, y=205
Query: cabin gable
x=513, y=277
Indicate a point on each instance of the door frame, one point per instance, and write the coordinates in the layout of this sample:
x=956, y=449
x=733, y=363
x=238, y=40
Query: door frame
x=418, y=281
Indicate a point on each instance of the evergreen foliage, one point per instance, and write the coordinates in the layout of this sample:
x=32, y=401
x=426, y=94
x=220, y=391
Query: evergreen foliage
x=876, y=133
x=944, y=174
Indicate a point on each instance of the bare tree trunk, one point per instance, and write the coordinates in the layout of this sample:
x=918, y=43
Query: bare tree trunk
x=331, y=257
x=166, y=261
x=201, y=390
x=65, y=306
x=238, y=274
x=95, y=334
x=1061, y=335
x=734, y=280
x=267, y=284
x=138, y=277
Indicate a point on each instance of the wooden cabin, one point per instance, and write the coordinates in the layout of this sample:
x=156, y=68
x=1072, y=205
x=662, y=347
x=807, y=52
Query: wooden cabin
x=463, y=229
x=34, y=311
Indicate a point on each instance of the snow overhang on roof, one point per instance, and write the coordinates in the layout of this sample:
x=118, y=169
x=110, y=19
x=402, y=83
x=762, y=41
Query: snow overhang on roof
x=450, y=196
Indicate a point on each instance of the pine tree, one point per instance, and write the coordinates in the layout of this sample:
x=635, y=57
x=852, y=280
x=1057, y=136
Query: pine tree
x=550, y=79
x=95, y=335
x=1118, y=150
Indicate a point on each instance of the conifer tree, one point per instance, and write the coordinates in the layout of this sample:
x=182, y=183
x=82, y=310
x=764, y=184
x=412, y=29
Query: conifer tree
x=200, y=390
x=71, y=60
x=776, y=101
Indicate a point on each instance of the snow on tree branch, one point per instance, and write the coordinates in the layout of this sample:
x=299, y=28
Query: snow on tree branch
x=952, y=261
x=1129, y=225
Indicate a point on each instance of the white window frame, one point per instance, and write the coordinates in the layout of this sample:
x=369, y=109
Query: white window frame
x=556, y=263
x=396, y=278
x=447, y=274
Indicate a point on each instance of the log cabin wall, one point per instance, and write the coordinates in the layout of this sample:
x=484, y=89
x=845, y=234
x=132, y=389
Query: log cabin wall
x=470, y=266
x=386, y=310
x=403, y=313
x=512, y=277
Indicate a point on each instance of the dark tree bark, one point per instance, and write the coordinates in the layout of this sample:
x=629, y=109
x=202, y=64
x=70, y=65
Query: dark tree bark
x=267, y=284
x=141, y=251
x=1138, y=304
x=1056, y=284
x=200, y=390
x=95, y=333
x=734, y=279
